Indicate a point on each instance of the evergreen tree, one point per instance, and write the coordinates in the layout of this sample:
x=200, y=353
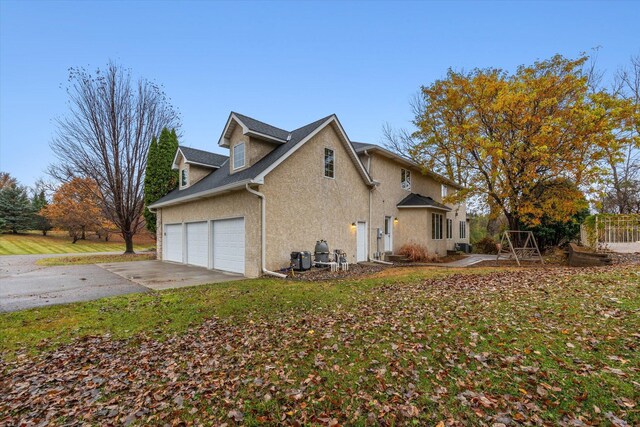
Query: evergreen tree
x=160, y=179
x=40, y=222
x=150, y=179
x=16, y=212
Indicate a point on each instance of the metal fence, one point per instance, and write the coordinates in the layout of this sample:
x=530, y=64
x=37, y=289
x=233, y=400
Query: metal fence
x=617, y=233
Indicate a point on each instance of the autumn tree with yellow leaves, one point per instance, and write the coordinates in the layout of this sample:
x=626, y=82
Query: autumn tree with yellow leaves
x=511, y=138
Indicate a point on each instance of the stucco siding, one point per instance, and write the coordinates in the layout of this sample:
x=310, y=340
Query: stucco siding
x=196, y=173
x=303, y=206
x=231, y=205
x=413, y=225
x=257, y=149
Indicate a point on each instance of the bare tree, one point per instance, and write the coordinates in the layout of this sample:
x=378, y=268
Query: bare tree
x=623, y=194
x=106, y=136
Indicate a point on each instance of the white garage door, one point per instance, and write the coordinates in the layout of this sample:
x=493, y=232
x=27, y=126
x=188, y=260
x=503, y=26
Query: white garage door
x=228, y=245
x=173, y=242
x=198, y=244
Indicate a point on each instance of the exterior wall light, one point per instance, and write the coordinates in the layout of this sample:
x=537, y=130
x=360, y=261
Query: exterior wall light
x=353, y=224
x=395, y=220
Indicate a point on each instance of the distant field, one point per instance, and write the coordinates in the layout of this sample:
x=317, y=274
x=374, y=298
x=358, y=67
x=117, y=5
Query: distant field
x=60, y=243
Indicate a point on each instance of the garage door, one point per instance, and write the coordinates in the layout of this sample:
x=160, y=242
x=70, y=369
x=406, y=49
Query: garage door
x=173, y=242
x=228, y=245
x=198, y=244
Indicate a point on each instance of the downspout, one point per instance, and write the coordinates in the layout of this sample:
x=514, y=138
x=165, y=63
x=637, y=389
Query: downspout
x=263, y=224
x=370, y=198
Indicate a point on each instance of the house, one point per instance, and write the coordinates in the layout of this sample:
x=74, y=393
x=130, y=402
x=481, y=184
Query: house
x=280, y=191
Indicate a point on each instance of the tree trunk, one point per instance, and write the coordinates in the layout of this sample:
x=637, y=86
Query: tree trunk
x=514, y=222
x=493, y=223
x=128, y=241
x=75, y=238
x=83, y=235
x=44, y=232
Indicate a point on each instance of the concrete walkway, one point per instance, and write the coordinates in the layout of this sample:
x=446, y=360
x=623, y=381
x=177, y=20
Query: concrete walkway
x=466, y=261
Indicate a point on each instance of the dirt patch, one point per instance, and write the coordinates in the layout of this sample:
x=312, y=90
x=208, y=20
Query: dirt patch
x=355, y=270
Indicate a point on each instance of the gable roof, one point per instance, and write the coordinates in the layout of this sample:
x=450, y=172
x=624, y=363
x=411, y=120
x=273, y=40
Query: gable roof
x=414, y=200
x=254, y=128
x=199, y=157
x=221, y=180
x=361, y=147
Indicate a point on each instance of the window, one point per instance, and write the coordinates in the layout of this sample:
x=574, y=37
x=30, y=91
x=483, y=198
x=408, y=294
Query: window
x=463, y=229
x=449, y=228
x=436, y=226
x=238, y=156
x=329, y=163
x=183, y=178
x=444, y=190
x=405, y=179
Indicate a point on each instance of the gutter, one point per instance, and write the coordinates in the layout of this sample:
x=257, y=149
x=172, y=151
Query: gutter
x=201, y=194
x=263, y=224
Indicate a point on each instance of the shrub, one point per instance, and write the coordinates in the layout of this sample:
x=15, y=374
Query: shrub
x=415, y=253
x=486, y=245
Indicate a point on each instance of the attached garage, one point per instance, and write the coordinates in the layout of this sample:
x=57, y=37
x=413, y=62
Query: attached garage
x=228, y=245
x=173, y=242
x=198, y=243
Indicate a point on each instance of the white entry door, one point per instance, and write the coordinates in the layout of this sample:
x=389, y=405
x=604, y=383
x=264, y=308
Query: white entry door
x=361, y=239
x=388, y=234
x=198, y=243
x=173, y=242
x=228, y=245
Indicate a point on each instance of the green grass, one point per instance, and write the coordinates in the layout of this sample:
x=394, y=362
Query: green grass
x=94, y=259
x=406, y=346
x=25, y=244
x=162, y=313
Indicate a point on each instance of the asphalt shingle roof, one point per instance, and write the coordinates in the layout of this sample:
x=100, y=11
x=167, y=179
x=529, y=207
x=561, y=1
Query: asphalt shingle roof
x=222, y=177
x=414, y=199
x=360, y=147
x=203, y=157
x=261, y=127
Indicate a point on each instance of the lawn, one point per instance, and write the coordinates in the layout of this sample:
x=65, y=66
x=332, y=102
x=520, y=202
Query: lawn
x=56, y=243
x=94, y=259
x=406, y=346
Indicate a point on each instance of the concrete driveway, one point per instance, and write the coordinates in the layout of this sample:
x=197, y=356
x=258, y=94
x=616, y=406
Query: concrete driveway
x=158, y=275
x=23, y=284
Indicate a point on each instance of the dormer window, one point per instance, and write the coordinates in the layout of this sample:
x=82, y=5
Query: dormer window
x=183, y=178
x=238, y=156
x=405, y=179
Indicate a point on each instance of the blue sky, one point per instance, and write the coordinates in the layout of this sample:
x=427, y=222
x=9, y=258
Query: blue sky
x=286, y=63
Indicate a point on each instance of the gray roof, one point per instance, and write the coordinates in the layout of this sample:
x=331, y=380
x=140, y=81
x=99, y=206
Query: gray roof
x=263, y=128
x=203, y=157
x=417, y=200
x=361, y=147
x=223, y=178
